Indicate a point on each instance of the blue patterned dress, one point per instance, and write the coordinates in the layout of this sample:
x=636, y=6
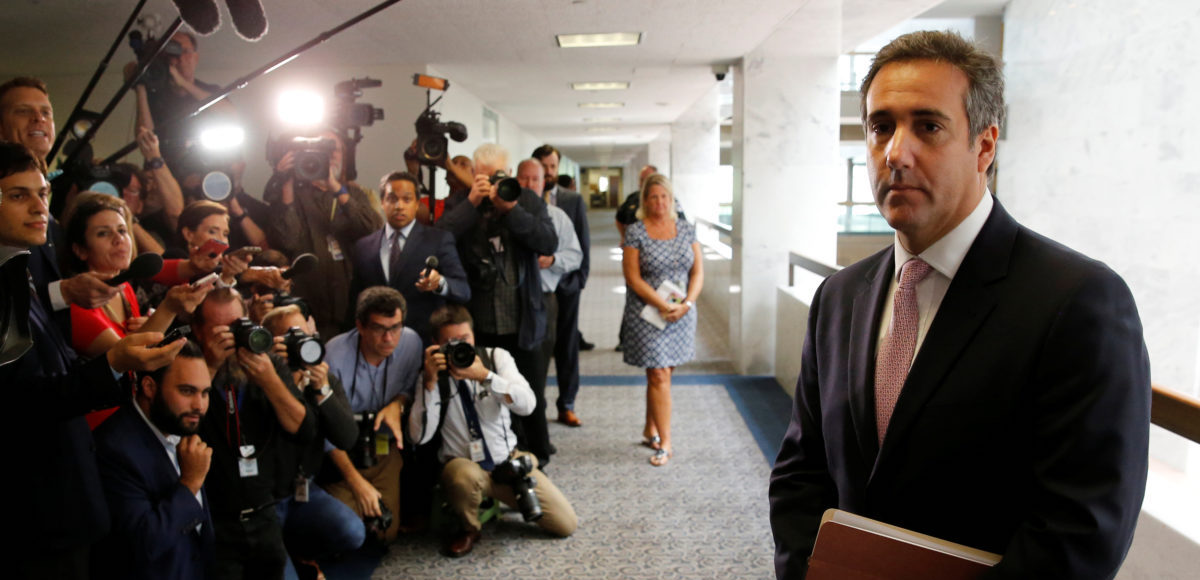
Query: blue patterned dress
x=644, y=345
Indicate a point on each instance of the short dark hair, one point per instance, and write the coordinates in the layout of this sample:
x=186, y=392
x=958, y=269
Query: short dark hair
x=16, y=158
x=385, y=184
x=217, y=296
x=26, y=82
x=545, y=151
x=198, y=211
x=191, y=349
x=83, y=207
x=382, y=300
x=190, y=36
x=984, y=99
x=448, y=315
x=565, y=180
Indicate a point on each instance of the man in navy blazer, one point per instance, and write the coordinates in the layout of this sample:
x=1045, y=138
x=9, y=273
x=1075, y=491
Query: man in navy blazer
x=570, y=288
x=377, y=264
x=152, y=467
x=1021, y=423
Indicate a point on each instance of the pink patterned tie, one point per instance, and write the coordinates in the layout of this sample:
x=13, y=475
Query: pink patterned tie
x=896, y=353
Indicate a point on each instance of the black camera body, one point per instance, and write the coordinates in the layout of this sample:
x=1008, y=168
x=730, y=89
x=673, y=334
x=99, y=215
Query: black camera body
x=376, y=526
x=363, y=453
x=157, y=77
x=460, y=354
x=347, y=113
x=311, y=155
x=432, y=145
x=251, y=336
x=302, y=349
x=507, y=188
x=285, y=299
x=515, y=473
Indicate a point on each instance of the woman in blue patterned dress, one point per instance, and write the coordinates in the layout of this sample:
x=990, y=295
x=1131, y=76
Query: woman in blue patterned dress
x=660, y=248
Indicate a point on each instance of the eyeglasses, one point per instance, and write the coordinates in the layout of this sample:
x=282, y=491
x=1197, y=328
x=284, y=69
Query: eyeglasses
x=380, y=329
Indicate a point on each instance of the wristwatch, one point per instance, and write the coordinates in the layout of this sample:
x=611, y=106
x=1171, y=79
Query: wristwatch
x=689, y=303
x=156, y=163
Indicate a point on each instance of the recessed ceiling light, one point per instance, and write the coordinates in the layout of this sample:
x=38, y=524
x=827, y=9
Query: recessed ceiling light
x=599, y=39
x=601, y=105
x=601, y=86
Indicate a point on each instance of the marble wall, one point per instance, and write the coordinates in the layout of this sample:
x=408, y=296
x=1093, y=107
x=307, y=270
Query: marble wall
x=1098, y=153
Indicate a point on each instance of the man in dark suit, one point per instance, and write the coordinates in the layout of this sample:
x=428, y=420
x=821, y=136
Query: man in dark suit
x=997, y=394
x=499, y=242
x=570, y=288
x=153, y=465
x=62, y=507
x=395, y=256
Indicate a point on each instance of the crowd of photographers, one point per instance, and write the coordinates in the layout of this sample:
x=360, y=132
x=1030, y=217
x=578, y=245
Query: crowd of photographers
x=246, y=388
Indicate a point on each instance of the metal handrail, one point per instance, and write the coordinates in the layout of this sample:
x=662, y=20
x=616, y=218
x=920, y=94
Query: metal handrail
x=715, y=225
x=1172, y=410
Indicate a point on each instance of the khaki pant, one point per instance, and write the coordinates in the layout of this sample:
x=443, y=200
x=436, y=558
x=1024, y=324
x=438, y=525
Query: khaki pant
x=385, y=477
x=466, y=484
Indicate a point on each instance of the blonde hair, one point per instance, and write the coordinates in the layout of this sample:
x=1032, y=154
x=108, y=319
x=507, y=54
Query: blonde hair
x=276, y=316
x=660, y=180
x=493, y=155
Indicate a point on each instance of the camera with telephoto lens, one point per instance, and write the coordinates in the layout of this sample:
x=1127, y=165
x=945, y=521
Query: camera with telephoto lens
x=507, y=188
x=302, y=349
x=312, y=155
x=250, y=336
x=460, y=354
x=515, y=473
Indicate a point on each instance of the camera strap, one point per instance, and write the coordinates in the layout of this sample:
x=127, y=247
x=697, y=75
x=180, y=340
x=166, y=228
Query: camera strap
x=478, y=442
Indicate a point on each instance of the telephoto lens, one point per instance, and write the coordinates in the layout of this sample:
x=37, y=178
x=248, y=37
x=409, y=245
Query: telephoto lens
x=250, y=336
x=302, y=349
x=507, y=188
x=515, y=473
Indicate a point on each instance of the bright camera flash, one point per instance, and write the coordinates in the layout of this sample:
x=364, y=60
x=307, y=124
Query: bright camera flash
x=222, y=137
x=301, y=108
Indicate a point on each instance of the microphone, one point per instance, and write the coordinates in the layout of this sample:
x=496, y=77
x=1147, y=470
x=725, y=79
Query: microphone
x=143, y=266
x=431, y=263
x=303, y=264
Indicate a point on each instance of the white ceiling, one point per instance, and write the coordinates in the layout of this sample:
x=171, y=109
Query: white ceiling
x=502, y=51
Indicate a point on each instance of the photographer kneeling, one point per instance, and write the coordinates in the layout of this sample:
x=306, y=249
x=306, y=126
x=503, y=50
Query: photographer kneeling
x=470, y=407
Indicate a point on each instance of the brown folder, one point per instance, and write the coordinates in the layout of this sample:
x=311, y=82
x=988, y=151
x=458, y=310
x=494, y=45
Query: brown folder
x=852, y=547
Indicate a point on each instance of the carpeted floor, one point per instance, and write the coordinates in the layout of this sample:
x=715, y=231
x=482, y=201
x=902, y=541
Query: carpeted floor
x=702, y=516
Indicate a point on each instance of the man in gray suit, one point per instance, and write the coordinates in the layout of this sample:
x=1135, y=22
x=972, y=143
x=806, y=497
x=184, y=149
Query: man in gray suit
x=570, y=288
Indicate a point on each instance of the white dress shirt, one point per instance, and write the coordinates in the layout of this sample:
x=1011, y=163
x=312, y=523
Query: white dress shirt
x=945, y=256
x=385, y=247
x=170, y=443
x=490, y=405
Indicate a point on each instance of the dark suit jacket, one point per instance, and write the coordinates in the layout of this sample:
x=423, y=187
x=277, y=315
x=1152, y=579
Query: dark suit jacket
x=532, y=232
x=154, y=516
x=572, y=203
x=423, y=242
x=1022, y=428
x=47, y=391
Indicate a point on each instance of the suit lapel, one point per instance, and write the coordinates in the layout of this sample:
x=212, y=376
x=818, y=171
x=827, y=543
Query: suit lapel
x=374, y=269
x=410, y=249
x=864, y=328
x=969, y=301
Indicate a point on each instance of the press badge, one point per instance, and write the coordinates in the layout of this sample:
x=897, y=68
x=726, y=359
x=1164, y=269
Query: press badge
x=247, y=465
x=335, y=249
x=382, y=444
x=477, y=450
x=301, y=489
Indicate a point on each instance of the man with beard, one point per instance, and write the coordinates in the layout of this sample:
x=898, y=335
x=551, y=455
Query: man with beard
x=153, y=465
x=259, y=410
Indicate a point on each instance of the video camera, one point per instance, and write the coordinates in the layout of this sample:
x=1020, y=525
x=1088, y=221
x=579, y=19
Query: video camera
x=157, y=77
x=347, y=113
x=432, y=146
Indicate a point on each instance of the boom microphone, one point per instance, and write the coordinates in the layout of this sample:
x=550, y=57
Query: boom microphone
x=143, y=266
x=303, y=264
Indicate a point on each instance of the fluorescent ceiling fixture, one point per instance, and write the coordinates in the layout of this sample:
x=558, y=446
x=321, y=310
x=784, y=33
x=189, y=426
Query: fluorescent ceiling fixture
x=600, y=129
x=222, y=138
x=601, y=105
x=601, y=119
x=598, y=39
x=601, y=86
x=301, y=108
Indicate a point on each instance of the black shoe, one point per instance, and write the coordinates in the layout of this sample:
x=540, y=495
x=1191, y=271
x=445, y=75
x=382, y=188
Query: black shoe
x=620, y=347
x=585, y=345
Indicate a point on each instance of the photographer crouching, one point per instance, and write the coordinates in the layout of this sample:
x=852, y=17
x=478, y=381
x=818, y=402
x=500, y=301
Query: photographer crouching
x=468, y=396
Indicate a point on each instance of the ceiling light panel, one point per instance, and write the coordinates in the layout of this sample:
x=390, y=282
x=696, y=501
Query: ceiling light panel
x=599, y=39
x=601, y=86
x=601, y=105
